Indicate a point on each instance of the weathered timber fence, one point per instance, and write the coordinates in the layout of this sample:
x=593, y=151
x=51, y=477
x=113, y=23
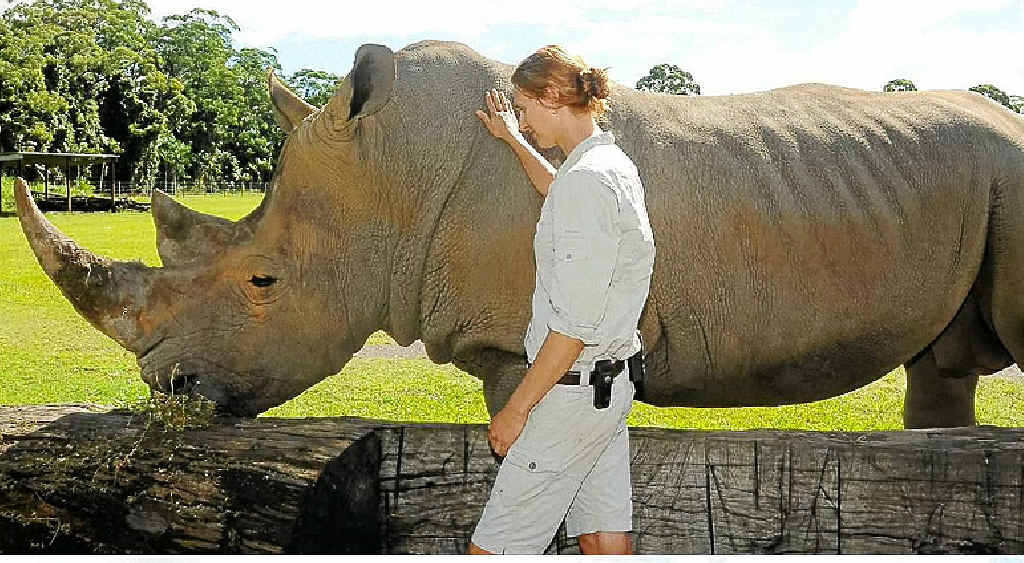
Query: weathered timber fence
x=77, y=479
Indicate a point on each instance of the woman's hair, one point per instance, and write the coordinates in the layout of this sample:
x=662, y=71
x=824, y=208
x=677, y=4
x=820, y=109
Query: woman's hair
x=554, y=75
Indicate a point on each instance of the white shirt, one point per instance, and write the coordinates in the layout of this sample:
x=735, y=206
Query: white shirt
x=594, y=252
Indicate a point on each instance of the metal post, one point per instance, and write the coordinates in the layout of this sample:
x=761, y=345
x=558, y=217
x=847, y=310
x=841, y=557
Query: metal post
x=46, y=181
x=67, y=179
x=103, y=172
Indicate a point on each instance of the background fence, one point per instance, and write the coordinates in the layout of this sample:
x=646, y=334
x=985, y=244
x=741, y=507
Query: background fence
x=125, y=189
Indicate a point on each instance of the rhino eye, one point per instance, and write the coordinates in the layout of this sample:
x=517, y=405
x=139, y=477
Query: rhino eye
x=263, y=281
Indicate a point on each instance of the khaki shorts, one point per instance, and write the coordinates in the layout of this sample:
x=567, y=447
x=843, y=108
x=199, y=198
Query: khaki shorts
x=571, y=461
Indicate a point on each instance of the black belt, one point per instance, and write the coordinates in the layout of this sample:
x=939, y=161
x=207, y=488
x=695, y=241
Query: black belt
x=570, y=378
x=573, y=377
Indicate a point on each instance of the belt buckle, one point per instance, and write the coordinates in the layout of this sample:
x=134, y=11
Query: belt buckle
x=585, y=374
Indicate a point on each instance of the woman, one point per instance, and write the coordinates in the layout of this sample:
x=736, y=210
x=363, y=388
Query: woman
x=564, y=456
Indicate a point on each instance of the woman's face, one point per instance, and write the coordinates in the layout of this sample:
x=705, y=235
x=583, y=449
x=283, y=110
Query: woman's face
x=536, y=118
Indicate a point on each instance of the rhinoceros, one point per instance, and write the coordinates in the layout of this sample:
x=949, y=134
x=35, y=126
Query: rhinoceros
x=809, y=240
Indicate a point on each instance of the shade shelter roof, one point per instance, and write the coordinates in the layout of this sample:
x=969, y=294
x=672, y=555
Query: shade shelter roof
x=19, y=160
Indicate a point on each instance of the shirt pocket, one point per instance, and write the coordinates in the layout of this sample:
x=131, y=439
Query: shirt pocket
x=572, y=246
x=582, y=279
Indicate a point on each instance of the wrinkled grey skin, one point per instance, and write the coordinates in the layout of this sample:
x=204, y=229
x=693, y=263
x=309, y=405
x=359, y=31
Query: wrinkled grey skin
x=810, y=239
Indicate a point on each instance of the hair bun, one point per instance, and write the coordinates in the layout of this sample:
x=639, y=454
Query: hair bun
x=595, y=83
x=553, y=75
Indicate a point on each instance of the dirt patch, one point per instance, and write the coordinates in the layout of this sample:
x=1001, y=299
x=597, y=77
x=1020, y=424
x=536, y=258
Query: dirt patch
x=1013, y=373
x=410, y=352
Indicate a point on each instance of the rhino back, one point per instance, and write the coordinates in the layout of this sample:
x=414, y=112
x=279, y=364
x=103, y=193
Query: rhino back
x=810, y=238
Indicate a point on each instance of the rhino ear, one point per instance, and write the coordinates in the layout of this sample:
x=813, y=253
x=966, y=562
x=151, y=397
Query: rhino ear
x=184, y=236
x=372, y=80
x=289, y=109
x=365, y=90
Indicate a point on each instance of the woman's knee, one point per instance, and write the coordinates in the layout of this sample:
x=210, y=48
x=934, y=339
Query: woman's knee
x=474, y=549
x=606, y=543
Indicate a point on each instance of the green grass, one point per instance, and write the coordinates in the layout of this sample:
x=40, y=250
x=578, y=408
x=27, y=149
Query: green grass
x=48, y=354
x=7, y=195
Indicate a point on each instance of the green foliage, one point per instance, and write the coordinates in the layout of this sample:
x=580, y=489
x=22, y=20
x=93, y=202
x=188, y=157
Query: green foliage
x=63, y=63
x=899, y=85
x=1017, y=103
x=6, y=195
x=173, y=98
x=172, y=412
x=315, y=86
x=669, y=79
x=994, y=94
x=230, y=127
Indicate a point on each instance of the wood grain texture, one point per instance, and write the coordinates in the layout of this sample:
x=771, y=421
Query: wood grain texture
x=77, y=479
x=74, y=481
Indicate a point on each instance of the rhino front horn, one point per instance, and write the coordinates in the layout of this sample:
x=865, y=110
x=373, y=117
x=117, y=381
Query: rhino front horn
x=109, y=294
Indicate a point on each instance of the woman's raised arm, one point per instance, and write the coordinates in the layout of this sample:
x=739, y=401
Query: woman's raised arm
x=502, y=123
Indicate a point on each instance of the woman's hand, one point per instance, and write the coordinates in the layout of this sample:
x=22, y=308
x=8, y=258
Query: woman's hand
x=501, y=121
x=506, y=426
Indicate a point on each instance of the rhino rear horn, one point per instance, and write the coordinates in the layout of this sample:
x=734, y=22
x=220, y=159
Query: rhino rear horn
x=365, y=90
x=289, y=109
x=184, y=236
x=111, y=295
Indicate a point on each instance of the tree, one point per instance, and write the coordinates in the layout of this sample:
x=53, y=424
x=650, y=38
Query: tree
x=899, y=85
x=80, y=76
x=174, y=97
x=669, y=79
x=315, y=86
x=195, y=48
x=257, y=137
x=1017, y=103
x=231, y=129
x=994, y=94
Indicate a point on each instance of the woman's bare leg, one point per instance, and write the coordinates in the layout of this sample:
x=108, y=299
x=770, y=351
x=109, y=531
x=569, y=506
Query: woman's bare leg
x=606, y=543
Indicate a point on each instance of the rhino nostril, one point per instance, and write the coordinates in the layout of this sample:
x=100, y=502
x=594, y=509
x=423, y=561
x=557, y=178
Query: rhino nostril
x=179, y=382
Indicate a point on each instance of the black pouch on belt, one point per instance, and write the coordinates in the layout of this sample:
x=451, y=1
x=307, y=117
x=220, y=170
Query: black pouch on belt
x=636, y=372
x=601, y=380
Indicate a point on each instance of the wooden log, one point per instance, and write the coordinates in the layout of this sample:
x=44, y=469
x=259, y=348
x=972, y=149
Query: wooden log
x=81, y=480
x=77, y=481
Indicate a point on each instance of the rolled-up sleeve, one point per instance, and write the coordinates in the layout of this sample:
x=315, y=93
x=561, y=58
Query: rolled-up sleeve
x=585, y=228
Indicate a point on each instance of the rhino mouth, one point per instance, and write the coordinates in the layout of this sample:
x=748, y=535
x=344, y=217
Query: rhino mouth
x=199, y=378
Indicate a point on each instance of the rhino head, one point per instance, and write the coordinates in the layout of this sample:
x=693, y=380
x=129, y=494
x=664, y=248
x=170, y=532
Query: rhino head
x=250, y=313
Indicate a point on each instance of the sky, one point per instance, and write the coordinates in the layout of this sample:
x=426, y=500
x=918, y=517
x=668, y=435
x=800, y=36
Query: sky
x=729, y=46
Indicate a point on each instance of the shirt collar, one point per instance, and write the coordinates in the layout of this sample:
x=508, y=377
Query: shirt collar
x=598, y=138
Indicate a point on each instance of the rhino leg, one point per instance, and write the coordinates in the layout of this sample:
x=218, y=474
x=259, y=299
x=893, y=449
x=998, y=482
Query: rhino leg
x=498, y=386
x=941, y=381
x=934, y=400
x=500, y=371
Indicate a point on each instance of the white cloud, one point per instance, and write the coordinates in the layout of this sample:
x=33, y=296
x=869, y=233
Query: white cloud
x=930, y=43
x=263, y=21
x=729, y=46
x=926, y=42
